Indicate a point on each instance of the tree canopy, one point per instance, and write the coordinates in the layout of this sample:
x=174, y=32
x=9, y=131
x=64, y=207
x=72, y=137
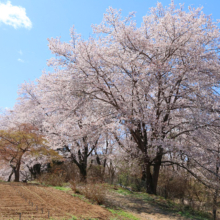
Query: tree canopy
x=154, y=89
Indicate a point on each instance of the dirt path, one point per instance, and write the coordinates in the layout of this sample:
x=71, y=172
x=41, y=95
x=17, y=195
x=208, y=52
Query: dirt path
x=141, y=209
x=38, y=202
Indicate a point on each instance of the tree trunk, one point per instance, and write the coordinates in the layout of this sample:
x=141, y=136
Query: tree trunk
x=83, y=174
x=111, y=172
x=81, y=163
x=17, y=171
x=215, y=195
x=143, y=177
x=157, y=164
x=152, y=178
x=214, y=209
x=12, y=172
x=149, y=179
x=17, y=174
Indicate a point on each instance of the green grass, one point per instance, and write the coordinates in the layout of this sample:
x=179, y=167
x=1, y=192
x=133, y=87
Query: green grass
x=123, y=191
x=121, y=214
x=62, y=188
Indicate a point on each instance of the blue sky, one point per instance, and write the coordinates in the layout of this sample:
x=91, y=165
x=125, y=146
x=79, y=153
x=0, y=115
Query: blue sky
x=25, y=26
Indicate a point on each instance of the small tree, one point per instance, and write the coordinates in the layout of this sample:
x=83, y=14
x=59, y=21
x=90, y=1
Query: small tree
x=17, y=141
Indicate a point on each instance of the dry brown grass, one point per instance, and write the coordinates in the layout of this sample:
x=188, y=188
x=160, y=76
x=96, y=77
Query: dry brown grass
x=95, y=192
x=51, y=179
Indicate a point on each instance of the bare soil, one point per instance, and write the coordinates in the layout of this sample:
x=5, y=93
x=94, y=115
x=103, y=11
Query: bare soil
x=38, y=202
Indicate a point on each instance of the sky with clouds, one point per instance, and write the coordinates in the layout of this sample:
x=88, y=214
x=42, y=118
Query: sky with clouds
x=25, y=26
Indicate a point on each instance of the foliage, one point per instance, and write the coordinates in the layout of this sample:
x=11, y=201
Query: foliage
x=17, y=141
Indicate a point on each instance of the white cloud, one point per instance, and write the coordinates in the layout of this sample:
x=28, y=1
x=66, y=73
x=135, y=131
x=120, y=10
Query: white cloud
x=14, y=16
x=20, y=52
x=20, y=60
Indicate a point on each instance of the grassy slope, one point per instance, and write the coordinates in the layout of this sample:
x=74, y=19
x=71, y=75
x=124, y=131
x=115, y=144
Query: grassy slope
x=167, y=205
x=156, y=201
x=160, y=202
x=118, y=214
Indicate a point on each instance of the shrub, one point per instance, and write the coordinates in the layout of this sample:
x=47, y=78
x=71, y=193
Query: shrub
x=138, y=185
x=51, y=179
x=73, y=186
x=95, y=174
x=93, y=191
x=172, y=184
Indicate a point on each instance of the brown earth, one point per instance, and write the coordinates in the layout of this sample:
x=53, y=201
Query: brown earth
x=38, y=202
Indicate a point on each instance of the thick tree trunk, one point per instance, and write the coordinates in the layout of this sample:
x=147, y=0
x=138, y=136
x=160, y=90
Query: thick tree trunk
x=157, y=164
x=17, y=175
x=152, y=179
x=83, y=174
x=81, y=163
x=149, y=179
x=153, y=175
x=143, y=177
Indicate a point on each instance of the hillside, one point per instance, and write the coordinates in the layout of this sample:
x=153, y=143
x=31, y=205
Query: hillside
x=36, y=202
x=33, y=201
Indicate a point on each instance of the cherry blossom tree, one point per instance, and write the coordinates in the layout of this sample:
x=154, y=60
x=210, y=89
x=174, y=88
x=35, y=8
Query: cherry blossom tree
x=69, y=120
x=158, y=80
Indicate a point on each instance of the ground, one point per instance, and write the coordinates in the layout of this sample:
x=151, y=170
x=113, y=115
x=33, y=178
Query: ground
x=150, y=207
x=141, y=209
x=37, y=202
x=31, y=201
